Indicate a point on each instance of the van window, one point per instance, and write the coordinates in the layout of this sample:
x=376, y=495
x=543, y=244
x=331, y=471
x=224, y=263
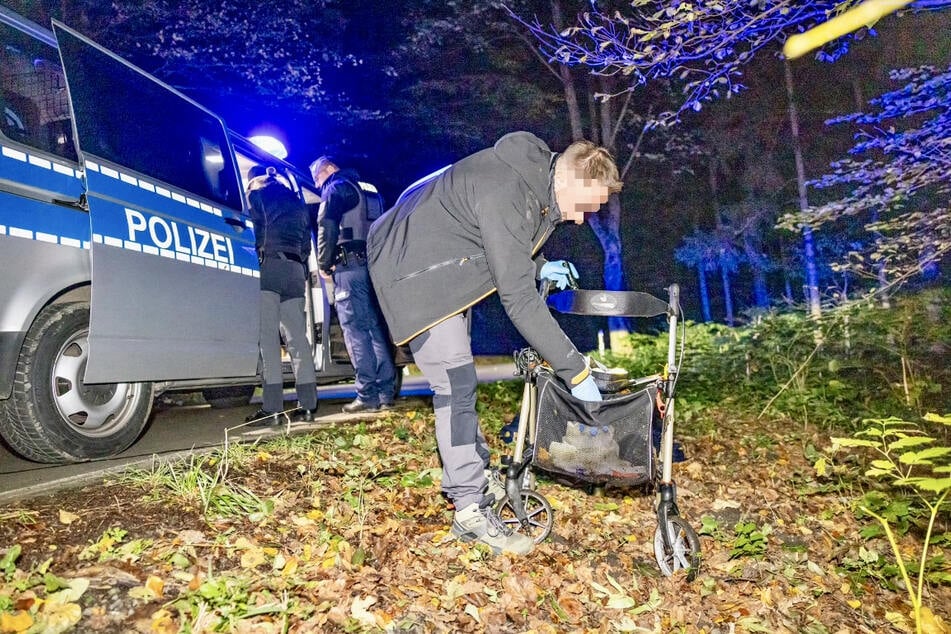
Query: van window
x=127, y=118
x=34, y=109
x=245, y=163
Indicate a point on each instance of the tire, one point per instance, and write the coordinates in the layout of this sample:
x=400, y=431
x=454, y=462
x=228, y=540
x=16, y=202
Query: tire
x=228, y=396
x=52, y=416
x=684, y=553
x=538, y=511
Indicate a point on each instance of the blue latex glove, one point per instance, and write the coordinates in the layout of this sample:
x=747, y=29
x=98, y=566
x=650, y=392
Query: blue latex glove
x=561, y=272
x=587, y=390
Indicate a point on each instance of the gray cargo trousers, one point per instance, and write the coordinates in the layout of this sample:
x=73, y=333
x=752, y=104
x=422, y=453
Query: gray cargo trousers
x=282, y=310
x=444, y=356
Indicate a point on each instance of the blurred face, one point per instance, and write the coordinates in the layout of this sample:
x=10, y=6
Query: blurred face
x=578, y=195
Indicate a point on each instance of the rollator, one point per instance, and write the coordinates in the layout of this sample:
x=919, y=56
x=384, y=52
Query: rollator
x=626, y=440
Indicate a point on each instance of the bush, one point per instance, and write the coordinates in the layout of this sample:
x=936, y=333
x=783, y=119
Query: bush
x=856, y=361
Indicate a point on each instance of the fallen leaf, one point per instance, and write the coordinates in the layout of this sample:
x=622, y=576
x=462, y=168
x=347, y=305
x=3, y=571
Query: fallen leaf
x=358, y=610
x=473, y=611
x=571, y=608
x=931, y=623
x=17, y=622
x=252, y=558
x=60, y=614
x=65, y=517
x=719, y=505
x=156, y=586
x=162, y=623
x=521, y=587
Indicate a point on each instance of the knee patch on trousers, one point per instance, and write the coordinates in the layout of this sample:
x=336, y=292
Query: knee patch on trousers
x=464, y=424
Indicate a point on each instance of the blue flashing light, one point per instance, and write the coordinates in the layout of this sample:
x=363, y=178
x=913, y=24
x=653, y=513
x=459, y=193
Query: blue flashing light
x=270, y=145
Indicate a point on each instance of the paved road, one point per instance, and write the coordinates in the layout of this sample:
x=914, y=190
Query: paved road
x=176, y=429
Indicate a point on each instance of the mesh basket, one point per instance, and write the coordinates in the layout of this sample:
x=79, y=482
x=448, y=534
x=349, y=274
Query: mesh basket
x=602, y=443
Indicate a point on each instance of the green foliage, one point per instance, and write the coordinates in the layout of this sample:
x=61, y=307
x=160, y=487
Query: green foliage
x=710, y=526
x=202, y=480
x=112, y=545
x=897, y=511
x=497, y=404
x=750, y=541
x=223, y=601
x=9, y=559
x=868, y=565
x=857, y=361
x=916, y=465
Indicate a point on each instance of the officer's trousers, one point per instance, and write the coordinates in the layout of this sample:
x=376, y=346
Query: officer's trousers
x=364, y=334
x=444, y=355
x=282, y=312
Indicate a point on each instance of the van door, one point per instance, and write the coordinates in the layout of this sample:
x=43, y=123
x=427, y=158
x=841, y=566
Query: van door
x=175, y=279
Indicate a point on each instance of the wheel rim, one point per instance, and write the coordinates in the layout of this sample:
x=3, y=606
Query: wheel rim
x=538, y=511
x=684, y=552
x=91, y=410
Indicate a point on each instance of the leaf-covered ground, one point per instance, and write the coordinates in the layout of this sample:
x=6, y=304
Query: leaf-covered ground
x=344, y=530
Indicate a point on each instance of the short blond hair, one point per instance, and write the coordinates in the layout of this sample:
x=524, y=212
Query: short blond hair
x=595, y=162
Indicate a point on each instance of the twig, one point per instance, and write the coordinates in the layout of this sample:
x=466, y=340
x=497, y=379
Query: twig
x=783, y=388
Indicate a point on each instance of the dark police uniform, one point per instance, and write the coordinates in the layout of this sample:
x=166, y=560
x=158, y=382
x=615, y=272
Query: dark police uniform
x=282, y=238
x=342, y=227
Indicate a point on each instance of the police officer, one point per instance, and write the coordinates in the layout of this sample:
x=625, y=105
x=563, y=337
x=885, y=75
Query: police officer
x=342, y=226
x=282, y=237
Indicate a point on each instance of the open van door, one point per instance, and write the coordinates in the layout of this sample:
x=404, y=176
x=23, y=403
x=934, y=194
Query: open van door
x=175, y=279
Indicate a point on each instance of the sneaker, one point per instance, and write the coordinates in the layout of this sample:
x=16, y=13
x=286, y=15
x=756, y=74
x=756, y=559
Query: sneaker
x=386, y=407
x=479, y=522
x=262, y=418
x=496, y=484
x=360, y=406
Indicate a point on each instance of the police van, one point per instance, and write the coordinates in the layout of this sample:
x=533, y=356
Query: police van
x=127, y=257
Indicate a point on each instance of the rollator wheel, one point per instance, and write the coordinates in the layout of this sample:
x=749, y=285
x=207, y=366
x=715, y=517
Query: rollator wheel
x=540, y=516
x=684, y=553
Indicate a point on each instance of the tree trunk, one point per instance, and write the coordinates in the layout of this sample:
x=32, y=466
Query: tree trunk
x=704, y=292
x=808, y=244
x=592, y=110
x=755, y=258
x=727, y=294
x=606, y=225
x=568, y=80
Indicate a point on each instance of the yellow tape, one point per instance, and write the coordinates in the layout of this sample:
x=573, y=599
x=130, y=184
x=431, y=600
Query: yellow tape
x=855, y=18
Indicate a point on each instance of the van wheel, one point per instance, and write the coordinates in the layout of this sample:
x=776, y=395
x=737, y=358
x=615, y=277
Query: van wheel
x=229, y=396
x=52, y=416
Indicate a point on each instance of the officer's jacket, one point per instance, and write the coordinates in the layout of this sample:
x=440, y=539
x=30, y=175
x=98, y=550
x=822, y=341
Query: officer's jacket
x=342, y=218
x=470, y=231
x=281, y=223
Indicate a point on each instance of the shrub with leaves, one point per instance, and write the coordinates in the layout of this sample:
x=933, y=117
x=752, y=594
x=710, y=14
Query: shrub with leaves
x=861, y=360
x=916, y=464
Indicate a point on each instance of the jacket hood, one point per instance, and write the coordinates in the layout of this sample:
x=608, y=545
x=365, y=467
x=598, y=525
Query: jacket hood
x=531, y=159
x=260, y=182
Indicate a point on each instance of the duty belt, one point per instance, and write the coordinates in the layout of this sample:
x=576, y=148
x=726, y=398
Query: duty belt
x=351, y=256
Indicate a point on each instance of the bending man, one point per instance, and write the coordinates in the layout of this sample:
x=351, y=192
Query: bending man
x=452, y=240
